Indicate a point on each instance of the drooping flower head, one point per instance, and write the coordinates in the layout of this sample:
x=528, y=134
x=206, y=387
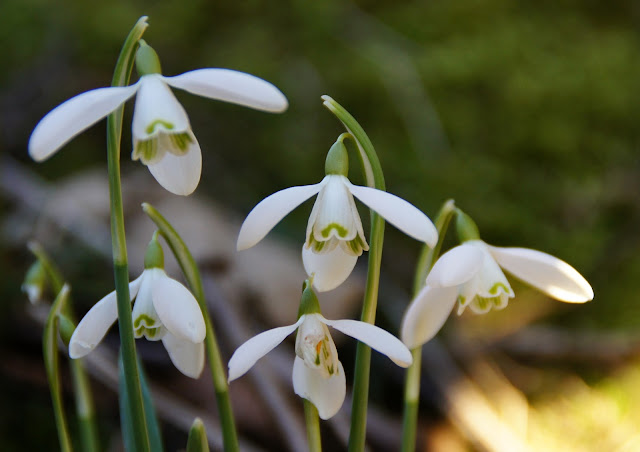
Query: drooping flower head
x=334, y=237
x=318, y=375
x=163, y=310
x=471, y=274
x=162, y=135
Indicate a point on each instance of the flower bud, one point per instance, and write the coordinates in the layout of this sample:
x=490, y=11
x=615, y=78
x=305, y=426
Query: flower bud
x=35, y=282
x=147, y=60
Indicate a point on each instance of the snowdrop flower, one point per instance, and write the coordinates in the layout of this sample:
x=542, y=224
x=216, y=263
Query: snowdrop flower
x=335, y=237
x=470, y=274
x=162, y=135
x=164, y=310
x=318, y=375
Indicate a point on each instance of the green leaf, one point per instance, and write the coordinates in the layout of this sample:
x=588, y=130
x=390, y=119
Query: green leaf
x=197, y=441
x=50, y=353
x=126, y=422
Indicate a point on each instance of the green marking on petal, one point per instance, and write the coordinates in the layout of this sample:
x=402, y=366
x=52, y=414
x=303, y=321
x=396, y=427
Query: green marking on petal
x=181, y=142
x=341, y=230
x=497, y=286
x=146, y=151
x=159, y=122
x=318, y=359
x=143, y=320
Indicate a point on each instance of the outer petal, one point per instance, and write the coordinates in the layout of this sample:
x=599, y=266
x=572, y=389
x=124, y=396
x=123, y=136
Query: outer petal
x=231, y=86
x=178, y=310
x=549, y=274
x=179, y=174
x=185, y=355
x=270, y=211
x=95, y=324
x=426, y=315
x=327, y=394
x=72, y=117
x=255, y=348
x=376, y=338
x=157, y=109
x=456, y=266
x=329, y=269
x=403, y=215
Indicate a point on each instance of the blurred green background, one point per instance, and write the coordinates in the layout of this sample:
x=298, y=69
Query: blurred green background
x=526, y=113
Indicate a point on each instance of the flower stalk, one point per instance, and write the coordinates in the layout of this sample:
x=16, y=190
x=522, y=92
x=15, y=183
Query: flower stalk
x=427, y=258
x=121, y=76
x=375, y=179
x=218, y=374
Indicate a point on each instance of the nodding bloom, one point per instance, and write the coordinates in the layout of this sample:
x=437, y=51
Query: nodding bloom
x=163, y=310
x=470, y=274
x=162, y=135
x=334, y=237
x=318, y=375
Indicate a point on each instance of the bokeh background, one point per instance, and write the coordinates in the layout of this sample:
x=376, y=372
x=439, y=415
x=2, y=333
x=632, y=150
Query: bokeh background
x=526, y=113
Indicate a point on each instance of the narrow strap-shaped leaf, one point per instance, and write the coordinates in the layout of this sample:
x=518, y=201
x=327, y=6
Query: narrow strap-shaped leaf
x=50, y=352
x=126, y=422
x=197, y=441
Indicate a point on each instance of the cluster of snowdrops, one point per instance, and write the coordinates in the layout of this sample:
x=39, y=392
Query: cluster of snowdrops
x=468, y=275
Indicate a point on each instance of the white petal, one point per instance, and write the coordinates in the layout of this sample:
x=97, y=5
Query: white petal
x=231, y=86
x=157, y=109
x=179, y=174
x=270, y=211
x=178, y=310
x=95, y=324
x=327, y=394
x=456, y=266
x=185, y=355
x=426, y=315
x=330, y=269
x=549, y=274
x=376, y=338
x=403, y=215
x=255, y=348
x=72, y=117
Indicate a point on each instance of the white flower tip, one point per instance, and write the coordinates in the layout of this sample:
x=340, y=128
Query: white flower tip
x=404, y=359
x=79, y=349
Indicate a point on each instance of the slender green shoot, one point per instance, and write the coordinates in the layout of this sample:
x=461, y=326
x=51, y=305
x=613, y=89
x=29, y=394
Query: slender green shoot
x=82, y=389
x=375, y=179
x=50, y=353
x=197, y=441
x=121, y=76
x=218, y=371
x=428, y=257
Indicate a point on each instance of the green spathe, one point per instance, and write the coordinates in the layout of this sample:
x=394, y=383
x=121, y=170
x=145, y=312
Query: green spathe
x=309, y=303
x=466, y=227
x=147, y=60
x=154, y=256
x=337, y=161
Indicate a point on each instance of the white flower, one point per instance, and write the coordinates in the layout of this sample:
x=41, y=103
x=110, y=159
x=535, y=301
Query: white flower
x=164, y=310
x=317, y=373
x=470, y=273
x=335, y=237
x=162, y=136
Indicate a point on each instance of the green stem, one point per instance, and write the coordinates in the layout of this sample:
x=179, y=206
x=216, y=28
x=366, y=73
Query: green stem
x=82, y=389
x=374, y=178
x=427, y=258
x=313, y=427
x=50, y=353
x=218, y=372
x=121, y=77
